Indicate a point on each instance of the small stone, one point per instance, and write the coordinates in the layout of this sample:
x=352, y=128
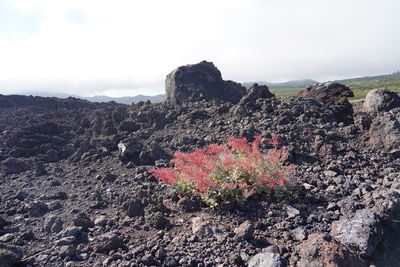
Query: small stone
x=331, y=207
x=67, y=251
x=72, y=231
x=37, y=209
x=299, y=233
x=189, y=205
x=22, y=195
x=161, y=254
x=200, y=226
x=3, y=223
x=308, y=186
x=271, y=249
x=134, y=208
x=148, y=260
x=101, y=221
x=109, y=242
x=265, y=259
x=330, y=173
x=65, y=241
x=292, y=212
x=109, y=177
x=53, y=224
x=157, y=220
x=244, y=230
x=82, y=220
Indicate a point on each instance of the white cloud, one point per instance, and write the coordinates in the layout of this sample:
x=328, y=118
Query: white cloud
x=89, y=47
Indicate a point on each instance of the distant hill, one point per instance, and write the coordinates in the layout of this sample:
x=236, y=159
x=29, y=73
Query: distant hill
x=361, y=86
x=284, y=89
x=102, y=98
x=126, y=99
x=289, y=84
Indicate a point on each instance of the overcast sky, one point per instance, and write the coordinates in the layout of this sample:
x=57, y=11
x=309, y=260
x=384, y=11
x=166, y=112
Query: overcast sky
x=127, y=47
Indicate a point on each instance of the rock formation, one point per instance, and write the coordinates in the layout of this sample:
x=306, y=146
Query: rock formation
x=202, y=81
x=256, y=92
x=381, y=100
x=334, y=95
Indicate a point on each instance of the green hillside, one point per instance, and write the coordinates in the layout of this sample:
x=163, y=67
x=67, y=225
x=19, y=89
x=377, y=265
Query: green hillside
x=360, y=86
x=284, y=89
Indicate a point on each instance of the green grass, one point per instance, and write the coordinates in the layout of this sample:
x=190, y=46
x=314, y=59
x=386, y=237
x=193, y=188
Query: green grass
x=359, y=86
x=285, y=92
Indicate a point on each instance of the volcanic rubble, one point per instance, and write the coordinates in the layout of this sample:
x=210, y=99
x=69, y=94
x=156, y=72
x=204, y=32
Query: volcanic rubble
x=76, y=188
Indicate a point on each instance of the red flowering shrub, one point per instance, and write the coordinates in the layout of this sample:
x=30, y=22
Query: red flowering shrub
x=228, y=172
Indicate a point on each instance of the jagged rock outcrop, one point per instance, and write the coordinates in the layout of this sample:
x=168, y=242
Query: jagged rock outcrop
x=362, y=232
x=380, y=116
x=256, y=92
x=202, y=81
x=334, y=95
x=380, y=100
x=384, y=132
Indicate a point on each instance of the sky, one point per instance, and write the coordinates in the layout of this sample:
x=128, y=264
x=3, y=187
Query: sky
x=127, y=47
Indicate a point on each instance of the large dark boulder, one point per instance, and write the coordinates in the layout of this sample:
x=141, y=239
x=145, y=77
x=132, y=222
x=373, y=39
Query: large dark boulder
x=256, y=92
x=202, y=81
x=10, y=255
x=334, y=95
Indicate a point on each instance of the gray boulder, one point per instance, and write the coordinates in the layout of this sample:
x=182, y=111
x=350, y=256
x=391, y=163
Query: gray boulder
x=362, y=232
x=380, y=100
x=202, y=81
x=384, y=132
x=269, y=257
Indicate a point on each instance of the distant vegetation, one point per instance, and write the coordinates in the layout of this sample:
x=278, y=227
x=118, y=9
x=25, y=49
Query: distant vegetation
x=102, y=98
x=360, y=86
x=126, y=99
x=284, y=89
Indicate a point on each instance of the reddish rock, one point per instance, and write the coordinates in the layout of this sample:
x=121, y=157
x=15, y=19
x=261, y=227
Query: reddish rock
x=321, y=250
x=334, y=95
